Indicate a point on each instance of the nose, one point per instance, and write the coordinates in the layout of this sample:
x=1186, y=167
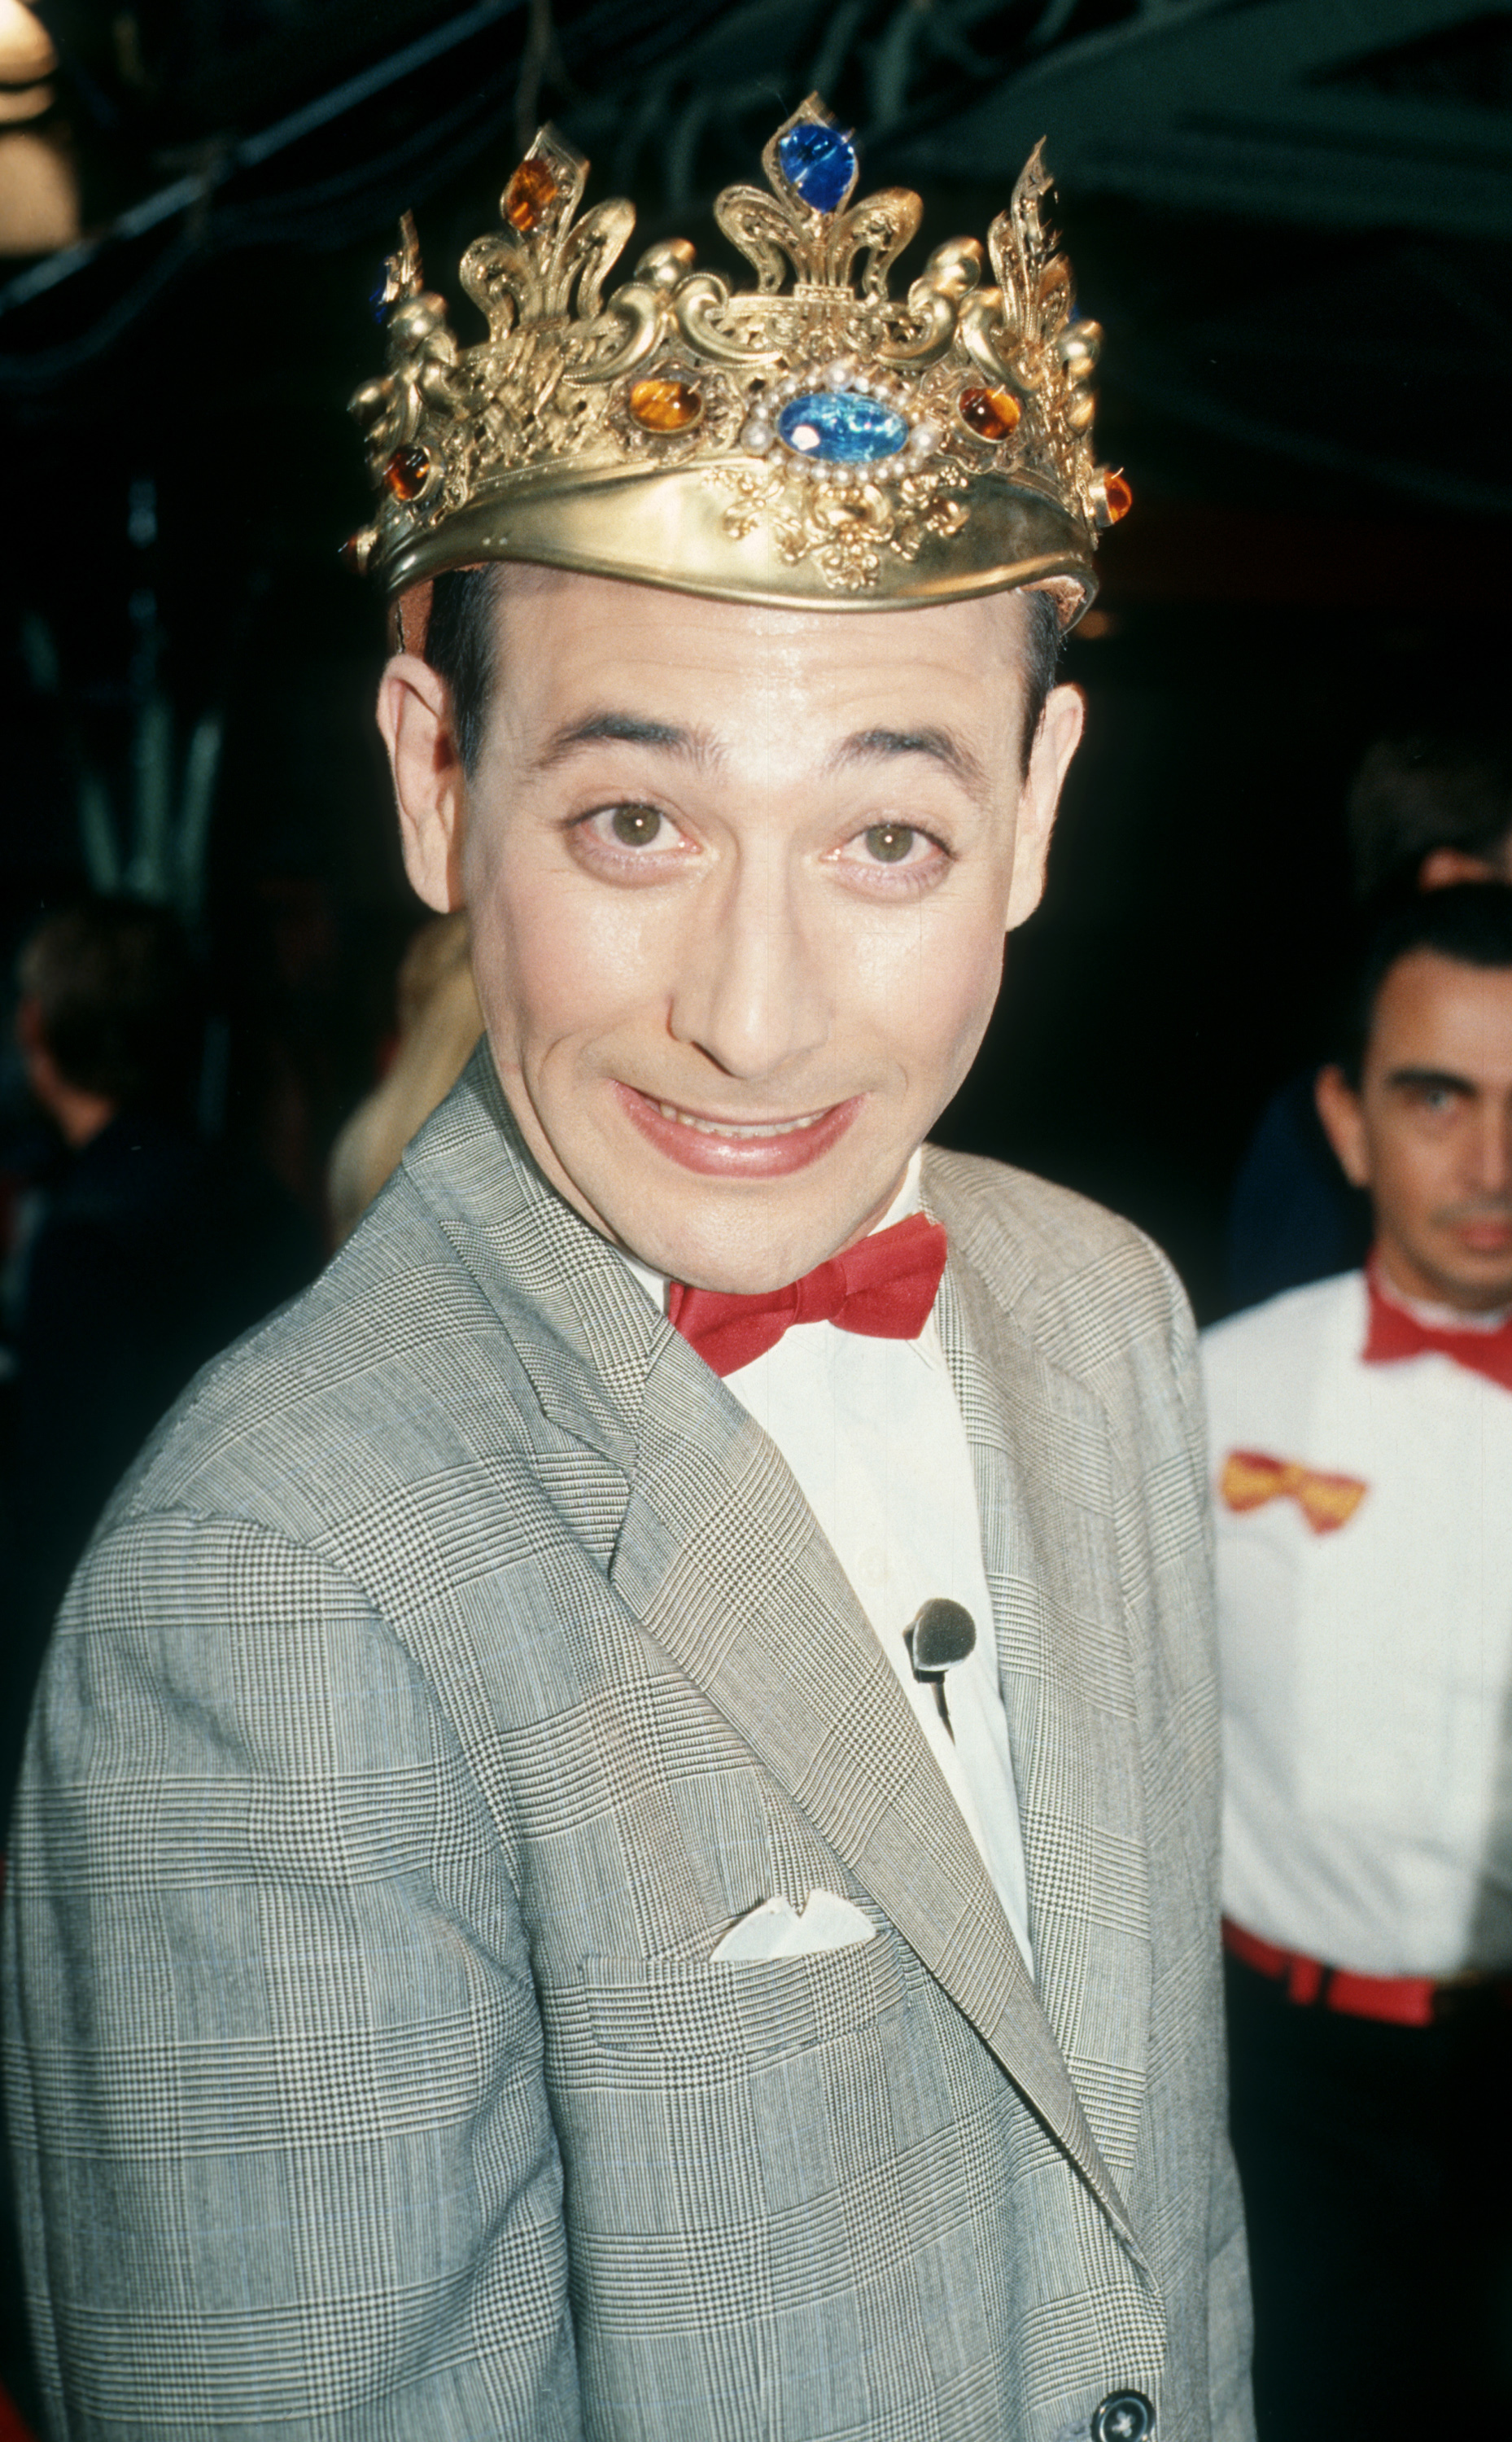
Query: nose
x=751, y=992
x=1492, y=1151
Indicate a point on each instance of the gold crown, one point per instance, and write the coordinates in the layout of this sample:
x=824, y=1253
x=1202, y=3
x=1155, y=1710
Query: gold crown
x=817, y=443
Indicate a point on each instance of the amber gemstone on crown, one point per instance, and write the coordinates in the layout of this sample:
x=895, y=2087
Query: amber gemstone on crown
x=1117, y=498
x=665, y=406
x=990, y=413
x=405, y=474
x=529, y=196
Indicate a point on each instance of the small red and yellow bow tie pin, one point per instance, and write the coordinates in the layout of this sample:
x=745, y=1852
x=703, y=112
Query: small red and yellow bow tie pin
x=1250, y=1479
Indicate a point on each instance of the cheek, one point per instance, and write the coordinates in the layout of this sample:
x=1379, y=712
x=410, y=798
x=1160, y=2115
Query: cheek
x=933, y=985
x=556, y=957
x=1415, y=1172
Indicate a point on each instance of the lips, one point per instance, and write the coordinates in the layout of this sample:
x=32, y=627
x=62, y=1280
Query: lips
x=721, y=1146
x=1485, y=1238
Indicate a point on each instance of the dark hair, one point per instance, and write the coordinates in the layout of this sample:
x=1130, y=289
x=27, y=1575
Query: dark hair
x=1042, y=639
x=1470, y=924
x=459, y=647
x=1444, y=786
x=114, y=985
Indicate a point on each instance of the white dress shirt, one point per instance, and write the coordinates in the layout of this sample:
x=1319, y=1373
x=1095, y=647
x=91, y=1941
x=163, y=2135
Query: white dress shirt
x=1367, y=1671
x=872, y=1432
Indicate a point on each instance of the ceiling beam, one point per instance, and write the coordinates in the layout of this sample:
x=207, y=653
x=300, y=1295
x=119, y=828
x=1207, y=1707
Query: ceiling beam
x=1234, y=110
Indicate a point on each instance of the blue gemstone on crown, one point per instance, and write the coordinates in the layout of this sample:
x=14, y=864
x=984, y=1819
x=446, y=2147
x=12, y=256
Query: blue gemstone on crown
x=842, y=426
x=819, y=163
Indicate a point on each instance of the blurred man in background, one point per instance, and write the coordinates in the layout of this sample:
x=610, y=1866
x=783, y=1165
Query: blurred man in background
x=1429, y=806
x=138, y=1256
x=1362, y=1438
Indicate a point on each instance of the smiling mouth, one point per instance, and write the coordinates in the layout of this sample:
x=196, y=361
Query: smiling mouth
x=737, y=1148
x=740, y=1131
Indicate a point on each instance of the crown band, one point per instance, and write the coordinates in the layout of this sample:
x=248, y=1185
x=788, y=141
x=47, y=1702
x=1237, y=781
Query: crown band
x=811, y=440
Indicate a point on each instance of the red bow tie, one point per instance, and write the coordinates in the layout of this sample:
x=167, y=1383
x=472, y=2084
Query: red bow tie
x=883, y=1286
x=1395, y=1333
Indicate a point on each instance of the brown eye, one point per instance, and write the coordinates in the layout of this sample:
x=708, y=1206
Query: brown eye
x=890, y=843
x=636, y=826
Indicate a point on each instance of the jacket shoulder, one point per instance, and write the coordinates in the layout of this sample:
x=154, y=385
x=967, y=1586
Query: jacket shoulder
x=375, y=1374
x=1082, y=1282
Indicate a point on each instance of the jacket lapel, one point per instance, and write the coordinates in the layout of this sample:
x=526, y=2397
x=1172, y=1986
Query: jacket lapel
x=1046, y=1493
x=721, y=1559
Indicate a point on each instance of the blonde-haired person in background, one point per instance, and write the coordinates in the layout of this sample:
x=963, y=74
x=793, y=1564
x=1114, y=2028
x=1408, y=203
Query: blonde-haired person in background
x=439, y=1026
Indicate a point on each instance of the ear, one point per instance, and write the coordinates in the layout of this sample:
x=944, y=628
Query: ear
x=1443, y=866
x=414, y=719
x=1343, y=1124
x=1055, y=741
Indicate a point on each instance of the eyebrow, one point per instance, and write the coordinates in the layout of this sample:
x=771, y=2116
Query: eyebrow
x=627, y=729
x=872, y=745
x=1421, y=1079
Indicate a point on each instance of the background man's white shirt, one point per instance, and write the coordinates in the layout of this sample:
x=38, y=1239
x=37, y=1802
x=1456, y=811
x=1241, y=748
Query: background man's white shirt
x=872, y=1432
x=1367, y=1671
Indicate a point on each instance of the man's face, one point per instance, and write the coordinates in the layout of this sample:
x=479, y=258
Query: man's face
x=738, y=882
x=1430, y=1134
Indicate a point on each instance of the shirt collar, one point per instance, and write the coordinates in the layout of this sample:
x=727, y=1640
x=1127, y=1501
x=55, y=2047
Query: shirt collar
x=1429, y=1316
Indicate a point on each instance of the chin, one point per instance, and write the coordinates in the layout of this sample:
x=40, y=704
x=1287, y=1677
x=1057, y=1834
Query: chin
x=731, y=1264
x=1477, y=1287
x=747, y=1252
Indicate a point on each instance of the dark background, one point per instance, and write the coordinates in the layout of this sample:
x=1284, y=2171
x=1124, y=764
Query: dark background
x=1294, y=220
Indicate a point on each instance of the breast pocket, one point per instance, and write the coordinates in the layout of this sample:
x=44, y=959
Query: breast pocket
x=744, y=2092
x=745, y=2011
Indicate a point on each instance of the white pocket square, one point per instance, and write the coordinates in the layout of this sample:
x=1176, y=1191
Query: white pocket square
x=774, y=1930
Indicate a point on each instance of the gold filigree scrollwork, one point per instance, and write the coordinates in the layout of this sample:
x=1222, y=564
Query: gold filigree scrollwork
x=988, y=379
x=848, y=532
x=935, y=302
x=1040, y=347
x=422, y=378
x=773, y=232
x=701, y=305
x=550, y=258
x=821, y=247
x=401, y=273
x=1035, y=280
x=631, y=327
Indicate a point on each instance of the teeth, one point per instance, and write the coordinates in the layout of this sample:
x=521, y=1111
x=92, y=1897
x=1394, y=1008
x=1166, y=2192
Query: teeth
x=725, y=1128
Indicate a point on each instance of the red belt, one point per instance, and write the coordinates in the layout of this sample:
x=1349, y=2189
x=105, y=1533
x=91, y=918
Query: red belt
x=1400, y=2001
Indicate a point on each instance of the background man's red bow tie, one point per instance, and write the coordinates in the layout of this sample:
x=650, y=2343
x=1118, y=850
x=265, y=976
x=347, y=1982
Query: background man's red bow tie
x=883, y=1286
x=1395, y=1333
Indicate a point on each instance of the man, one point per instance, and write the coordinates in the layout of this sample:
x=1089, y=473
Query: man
x=1362, y=1435
x=1428, y=807
x=621, y=1838
x=141, y=1255
x=1431, y=805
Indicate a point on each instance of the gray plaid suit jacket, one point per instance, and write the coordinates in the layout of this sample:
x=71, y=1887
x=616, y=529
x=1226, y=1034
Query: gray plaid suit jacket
x=456, y=1663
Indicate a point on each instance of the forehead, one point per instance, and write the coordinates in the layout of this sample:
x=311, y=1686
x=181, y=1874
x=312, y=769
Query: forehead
x=1436, y=1013
x=567, y=643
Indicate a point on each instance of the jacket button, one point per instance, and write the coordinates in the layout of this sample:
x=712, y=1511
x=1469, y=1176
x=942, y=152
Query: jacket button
x=1123, y=2417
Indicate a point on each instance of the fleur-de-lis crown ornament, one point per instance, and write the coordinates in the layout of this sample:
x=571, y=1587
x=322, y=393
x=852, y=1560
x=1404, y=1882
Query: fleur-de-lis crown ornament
x=810, y=440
